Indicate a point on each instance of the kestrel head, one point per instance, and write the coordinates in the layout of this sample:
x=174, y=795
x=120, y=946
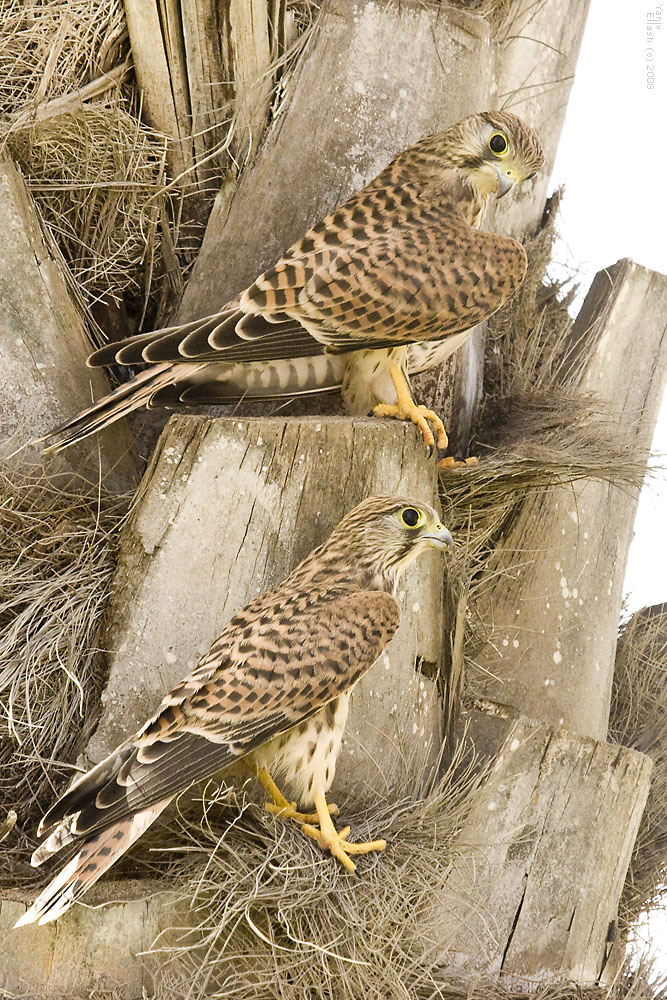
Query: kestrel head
x=494, y=151
x=384, y=534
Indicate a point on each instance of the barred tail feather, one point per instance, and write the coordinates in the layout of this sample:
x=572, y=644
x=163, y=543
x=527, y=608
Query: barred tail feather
x=129, y=396
x=96, y=855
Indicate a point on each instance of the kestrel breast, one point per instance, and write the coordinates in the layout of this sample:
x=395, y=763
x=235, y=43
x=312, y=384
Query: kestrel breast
x=303, y=759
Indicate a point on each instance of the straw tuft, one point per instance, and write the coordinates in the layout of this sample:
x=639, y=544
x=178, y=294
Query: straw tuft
x=639, y=720
x=55, y=567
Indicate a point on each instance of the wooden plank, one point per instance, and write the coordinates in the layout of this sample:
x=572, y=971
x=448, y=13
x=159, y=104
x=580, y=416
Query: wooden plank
x=555, y=617
x=159, y=63
x=93, y=947
x=535, y=59
x=252, y=37
x=200, y=63
x=44, y=378
x=226, y=509
x=544, y=855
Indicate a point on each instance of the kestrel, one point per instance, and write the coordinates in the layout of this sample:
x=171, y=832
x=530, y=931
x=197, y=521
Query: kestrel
x=272, y=690
x=389, y=284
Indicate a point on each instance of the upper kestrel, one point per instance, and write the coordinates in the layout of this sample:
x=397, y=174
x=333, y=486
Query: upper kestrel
x=273, y=690
x=389, y=284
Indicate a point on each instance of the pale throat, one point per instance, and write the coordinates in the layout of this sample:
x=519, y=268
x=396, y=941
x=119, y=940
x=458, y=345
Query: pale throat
x=470, y=194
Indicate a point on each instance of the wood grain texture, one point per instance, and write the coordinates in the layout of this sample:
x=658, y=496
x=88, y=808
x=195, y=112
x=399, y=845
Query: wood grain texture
x=226, y=509
x=544, y=855
x=158, y=55
x=535, y=60
x=44, y=348
x=93, y=947
x=555, y=619
x=195, y=62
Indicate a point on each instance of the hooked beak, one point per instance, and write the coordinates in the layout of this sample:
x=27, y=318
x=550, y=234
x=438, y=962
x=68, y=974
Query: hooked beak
x=505, y=182
x=438, y=538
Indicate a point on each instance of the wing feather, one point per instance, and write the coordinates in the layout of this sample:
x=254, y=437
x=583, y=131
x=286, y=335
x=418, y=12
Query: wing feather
x=250, y=686
x=422, y=274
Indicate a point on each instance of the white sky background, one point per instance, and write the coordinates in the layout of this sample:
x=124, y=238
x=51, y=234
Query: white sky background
x=612, y=159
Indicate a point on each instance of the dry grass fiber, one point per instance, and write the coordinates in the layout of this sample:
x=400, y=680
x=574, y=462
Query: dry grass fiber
x=56, y=561
x=639, y=720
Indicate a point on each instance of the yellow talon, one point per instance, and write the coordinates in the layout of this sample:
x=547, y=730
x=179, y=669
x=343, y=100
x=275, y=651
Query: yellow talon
x=405, y=408
x=289, y=811
x=329, y=839
x=279, y=805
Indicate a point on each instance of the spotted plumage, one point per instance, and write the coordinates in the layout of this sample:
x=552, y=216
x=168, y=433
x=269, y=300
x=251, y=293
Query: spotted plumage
x=398, y=265
x=272, y=690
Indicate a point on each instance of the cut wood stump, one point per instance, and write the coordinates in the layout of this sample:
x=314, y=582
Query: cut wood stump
x=544, y=854
x=93, y=947
x=226, y=509
x=43, y=374
x=555, y=617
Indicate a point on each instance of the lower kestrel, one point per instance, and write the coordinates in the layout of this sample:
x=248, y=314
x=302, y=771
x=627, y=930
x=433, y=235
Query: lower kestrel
x=272, y=690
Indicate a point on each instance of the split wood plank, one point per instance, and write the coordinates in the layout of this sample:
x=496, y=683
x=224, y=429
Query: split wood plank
x=544, y=854
x=44, y=348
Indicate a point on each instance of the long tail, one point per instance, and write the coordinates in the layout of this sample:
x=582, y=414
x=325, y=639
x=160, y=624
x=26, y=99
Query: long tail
x=129, y=396
x=97, y=854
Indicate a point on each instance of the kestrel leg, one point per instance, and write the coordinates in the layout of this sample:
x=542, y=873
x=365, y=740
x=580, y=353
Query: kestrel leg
x=279, y=804
x=405, y=408
x=334, y=841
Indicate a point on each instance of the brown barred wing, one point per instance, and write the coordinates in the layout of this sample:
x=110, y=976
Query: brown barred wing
x=435, y=278
x=224, y=709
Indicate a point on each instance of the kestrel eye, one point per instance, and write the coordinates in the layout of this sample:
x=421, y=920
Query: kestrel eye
x=498, y=143
x=411, y=517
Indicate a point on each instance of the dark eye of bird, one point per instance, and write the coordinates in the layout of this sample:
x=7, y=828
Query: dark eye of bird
x=410, y=516
x=498, y=143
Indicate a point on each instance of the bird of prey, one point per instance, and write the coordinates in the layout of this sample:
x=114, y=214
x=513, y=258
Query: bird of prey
x=272, y=690
x=389, y=284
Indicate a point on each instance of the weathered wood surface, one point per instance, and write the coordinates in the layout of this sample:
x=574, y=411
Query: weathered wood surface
x=226, y=509
x=93, y=947
x=555, y=618
x=159, y=63
x=374, y=78
x=43, y=371
x=535, y=59
x=544, y=854
x=196, y=62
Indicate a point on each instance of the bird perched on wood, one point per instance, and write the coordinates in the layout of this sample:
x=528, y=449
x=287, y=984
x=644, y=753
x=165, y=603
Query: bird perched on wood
x=273, y=690
x=389, y=284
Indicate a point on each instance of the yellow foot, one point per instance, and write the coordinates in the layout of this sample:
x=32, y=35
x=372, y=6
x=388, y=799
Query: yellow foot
x=455, y=463
x=289, y=811
x=279, y=804
x=334, y=841
x=405, y=408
